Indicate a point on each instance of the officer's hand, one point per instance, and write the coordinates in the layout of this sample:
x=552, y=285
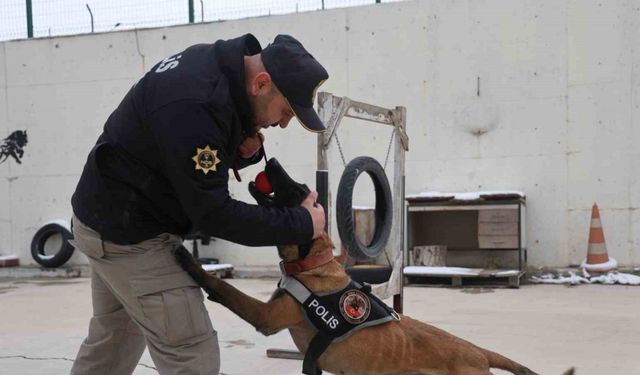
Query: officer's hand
x=251, y=145
x=317, y=213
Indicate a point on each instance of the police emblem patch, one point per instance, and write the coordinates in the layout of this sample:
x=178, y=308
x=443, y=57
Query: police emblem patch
x=355, y=306
x=206, y=159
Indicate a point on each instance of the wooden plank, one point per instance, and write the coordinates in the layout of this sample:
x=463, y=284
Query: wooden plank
x=460, y=207
x=514, y=281
x=285, y=354
x=510, y=278
x=456, y=281
x=369, y=112
x=500, y=273
x=497, y=242
x=441, y=271
x=498, y=229
x=498, y=216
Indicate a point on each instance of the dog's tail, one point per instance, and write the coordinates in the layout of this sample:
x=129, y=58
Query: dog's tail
x=498, y=361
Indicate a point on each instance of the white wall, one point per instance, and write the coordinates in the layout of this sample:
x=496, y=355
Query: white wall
x=554, y=117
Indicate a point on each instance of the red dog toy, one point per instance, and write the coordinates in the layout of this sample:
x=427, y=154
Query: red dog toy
x=262, y=183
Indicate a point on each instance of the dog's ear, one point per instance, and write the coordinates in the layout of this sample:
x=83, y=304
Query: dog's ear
x=289, y=253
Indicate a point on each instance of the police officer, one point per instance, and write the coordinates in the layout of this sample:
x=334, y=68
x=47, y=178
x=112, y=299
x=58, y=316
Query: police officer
x=159, y=170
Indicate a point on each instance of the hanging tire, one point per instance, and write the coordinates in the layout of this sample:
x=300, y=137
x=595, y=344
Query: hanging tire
x=40, y=239
x=383, y=212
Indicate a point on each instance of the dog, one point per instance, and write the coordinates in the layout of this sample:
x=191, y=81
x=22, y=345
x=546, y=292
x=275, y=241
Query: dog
x=399, y=345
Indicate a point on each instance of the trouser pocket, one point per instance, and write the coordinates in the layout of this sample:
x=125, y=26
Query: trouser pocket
x=177, y=316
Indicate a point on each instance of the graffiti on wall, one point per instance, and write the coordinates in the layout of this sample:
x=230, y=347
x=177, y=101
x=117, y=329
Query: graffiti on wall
x=13, y=146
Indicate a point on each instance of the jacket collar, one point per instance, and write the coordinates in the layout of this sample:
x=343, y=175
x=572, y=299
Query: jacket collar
x=232, y=62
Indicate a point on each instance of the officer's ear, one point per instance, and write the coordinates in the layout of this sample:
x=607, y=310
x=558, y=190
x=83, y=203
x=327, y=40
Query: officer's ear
x=261, y=84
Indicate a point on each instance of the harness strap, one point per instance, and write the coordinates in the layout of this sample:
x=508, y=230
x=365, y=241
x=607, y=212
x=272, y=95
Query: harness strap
x=320, y=341
x=317, y=346
x=295, y=288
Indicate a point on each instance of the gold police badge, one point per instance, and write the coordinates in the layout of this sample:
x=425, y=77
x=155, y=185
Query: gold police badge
x=206, y=159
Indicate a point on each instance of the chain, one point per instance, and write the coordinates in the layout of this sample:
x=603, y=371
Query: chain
x=386, y=159
x=344, y=163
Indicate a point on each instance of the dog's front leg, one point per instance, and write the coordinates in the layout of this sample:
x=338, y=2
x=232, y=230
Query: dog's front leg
x=279, y=313
x=268, y=318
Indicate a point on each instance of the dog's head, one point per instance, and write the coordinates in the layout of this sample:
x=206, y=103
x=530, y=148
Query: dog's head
x=287, y=193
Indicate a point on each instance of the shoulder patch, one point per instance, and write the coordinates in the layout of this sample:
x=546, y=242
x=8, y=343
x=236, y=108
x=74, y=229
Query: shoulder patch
x=206, y=159
x=355, y=306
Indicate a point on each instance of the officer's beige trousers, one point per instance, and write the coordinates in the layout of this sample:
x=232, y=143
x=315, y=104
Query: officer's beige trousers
x=141, y=296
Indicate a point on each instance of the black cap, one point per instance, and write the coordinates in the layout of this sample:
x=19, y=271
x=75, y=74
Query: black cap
x=297, y=75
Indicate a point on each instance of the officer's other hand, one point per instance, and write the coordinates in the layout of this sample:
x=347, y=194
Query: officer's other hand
x=251, y=145
x=317, y=213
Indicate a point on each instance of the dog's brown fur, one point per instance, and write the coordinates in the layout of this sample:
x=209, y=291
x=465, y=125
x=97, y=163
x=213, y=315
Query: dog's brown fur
x=407, y=346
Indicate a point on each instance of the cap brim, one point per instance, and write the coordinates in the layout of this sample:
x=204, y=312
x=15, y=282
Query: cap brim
x=308, y=117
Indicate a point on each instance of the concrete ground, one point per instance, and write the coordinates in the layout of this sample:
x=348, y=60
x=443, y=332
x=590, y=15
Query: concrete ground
x=548, y=328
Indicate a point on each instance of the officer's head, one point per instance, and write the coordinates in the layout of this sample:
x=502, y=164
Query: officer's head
x=282, y=82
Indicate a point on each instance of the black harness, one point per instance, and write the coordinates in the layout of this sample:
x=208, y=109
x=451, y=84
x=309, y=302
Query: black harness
x=335, y=315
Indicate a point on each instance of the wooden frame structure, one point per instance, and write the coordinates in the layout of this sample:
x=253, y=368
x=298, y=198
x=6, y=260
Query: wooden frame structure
x=332, y=110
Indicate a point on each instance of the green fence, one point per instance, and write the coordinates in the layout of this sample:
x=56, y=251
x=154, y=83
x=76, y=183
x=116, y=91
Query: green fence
x=43, y=18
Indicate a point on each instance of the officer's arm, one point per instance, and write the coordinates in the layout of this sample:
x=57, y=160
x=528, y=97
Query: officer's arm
x=193, y=153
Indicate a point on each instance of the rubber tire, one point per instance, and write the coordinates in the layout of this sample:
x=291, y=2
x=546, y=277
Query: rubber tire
x=377, y=274
x=383, y=212
x=40, y=238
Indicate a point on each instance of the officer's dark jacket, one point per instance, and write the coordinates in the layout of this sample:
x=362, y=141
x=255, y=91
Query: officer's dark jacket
x=141, y=178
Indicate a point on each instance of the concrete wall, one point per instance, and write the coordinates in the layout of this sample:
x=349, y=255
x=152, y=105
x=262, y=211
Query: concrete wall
x=538, y=96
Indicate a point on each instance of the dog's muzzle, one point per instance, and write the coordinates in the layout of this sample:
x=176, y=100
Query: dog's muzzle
x=286, y=191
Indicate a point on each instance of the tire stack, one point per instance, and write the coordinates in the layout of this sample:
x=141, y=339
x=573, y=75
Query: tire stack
x=62, y=254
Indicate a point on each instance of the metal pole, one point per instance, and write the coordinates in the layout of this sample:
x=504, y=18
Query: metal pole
x=91, y=14
x=201, y=11
x=191, y=12
x=322, y=187
x=29, y=19
x=322, y=173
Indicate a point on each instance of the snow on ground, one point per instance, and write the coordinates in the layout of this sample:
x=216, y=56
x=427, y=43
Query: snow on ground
x=216, y=267
x=617, y=278
x=420, y=270
x=468, y=196
x=573, y=279
x=600, y=267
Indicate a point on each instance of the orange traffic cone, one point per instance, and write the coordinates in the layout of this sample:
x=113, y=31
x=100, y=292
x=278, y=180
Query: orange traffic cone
x=597, y=257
